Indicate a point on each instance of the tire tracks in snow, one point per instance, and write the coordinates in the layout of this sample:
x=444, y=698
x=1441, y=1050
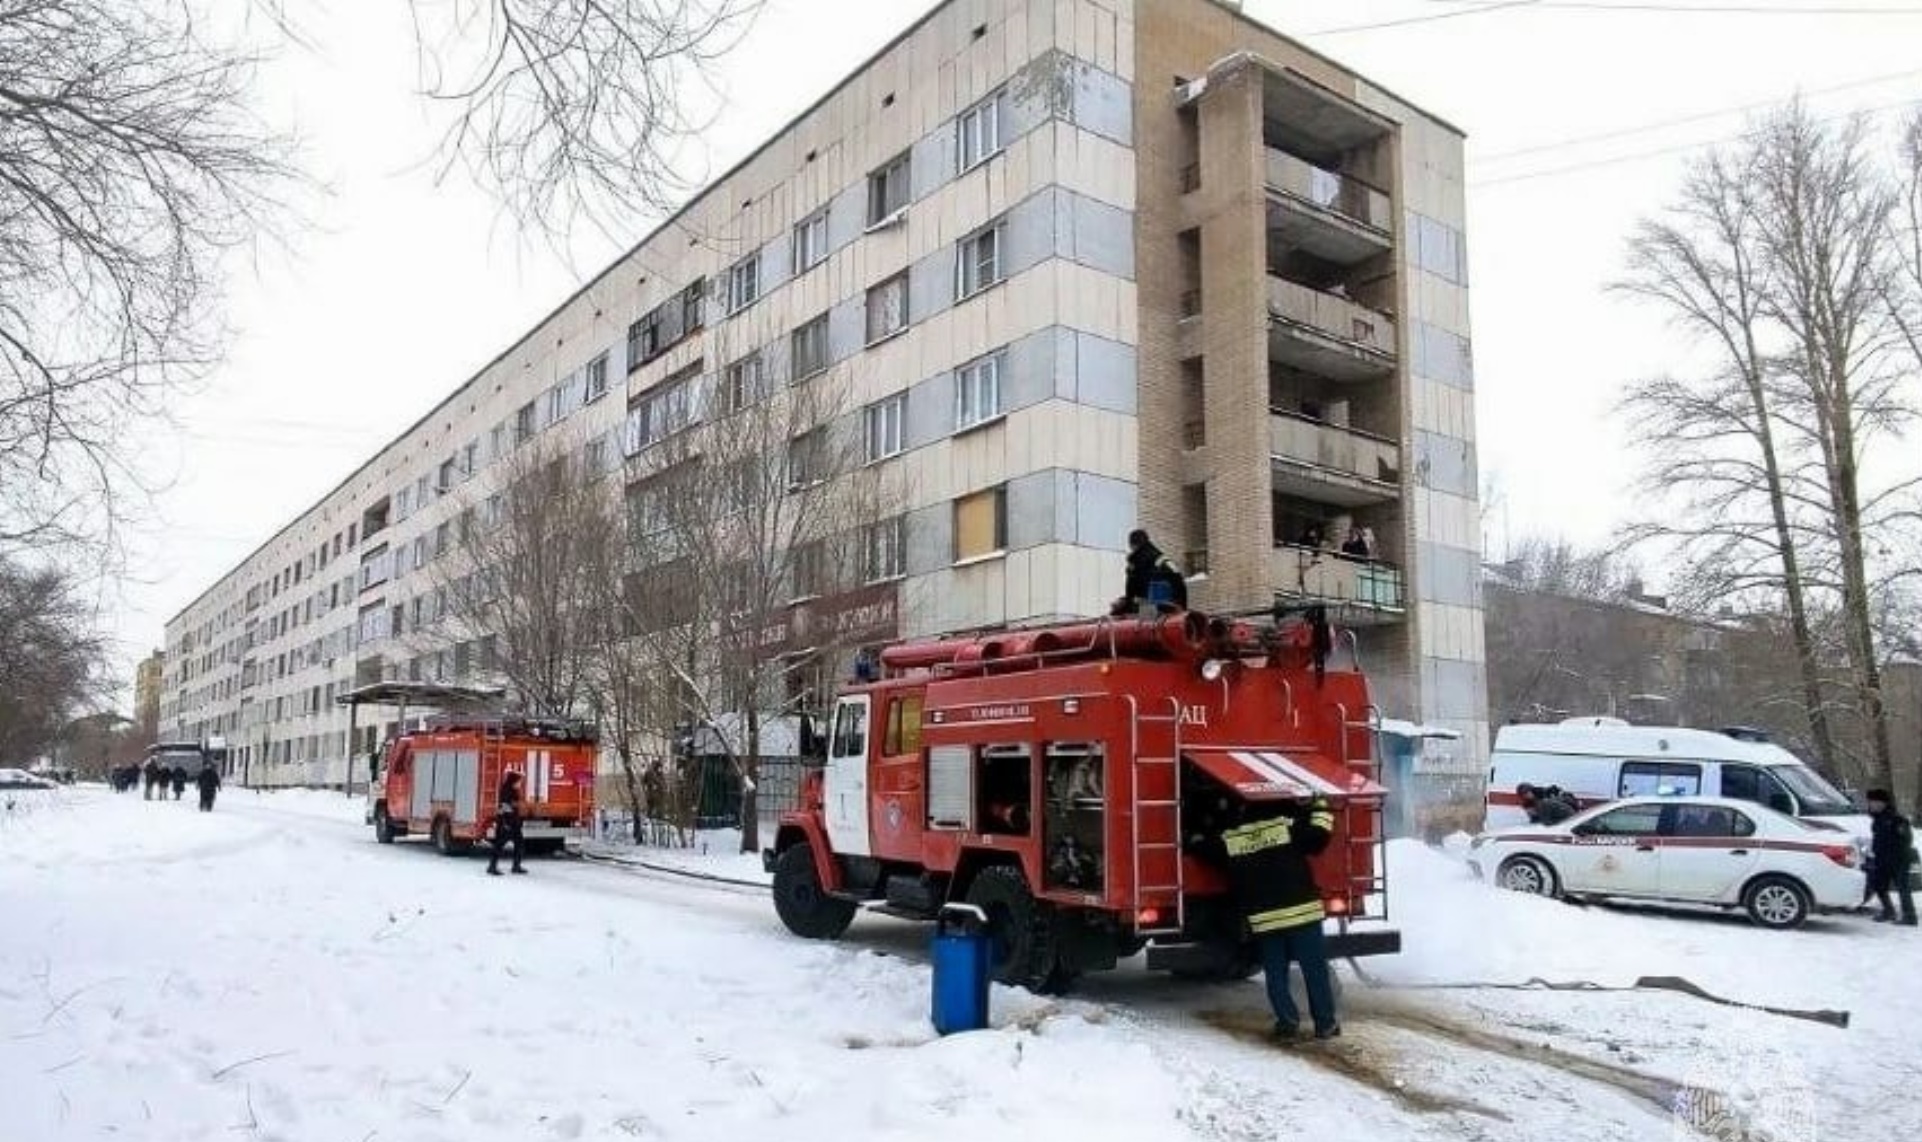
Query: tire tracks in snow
x=1389, y=1051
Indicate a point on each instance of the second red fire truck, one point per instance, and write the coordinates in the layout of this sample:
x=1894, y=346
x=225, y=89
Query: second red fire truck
x=442, y=779
x=1057, y=778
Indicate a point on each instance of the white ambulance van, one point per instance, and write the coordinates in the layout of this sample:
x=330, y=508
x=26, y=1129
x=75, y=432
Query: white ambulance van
x=1601, y=759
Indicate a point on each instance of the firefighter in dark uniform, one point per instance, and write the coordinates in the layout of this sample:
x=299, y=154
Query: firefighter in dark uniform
x=507, y=825
x=1272, y=882
x=1891, y=852
x=1151, y=579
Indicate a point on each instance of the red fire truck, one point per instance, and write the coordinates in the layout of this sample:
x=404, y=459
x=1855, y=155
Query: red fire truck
x=1055, y=778
x=442, y=780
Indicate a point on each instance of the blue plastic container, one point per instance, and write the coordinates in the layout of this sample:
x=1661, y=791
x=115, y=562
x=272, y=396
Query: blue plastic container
x=961, y=957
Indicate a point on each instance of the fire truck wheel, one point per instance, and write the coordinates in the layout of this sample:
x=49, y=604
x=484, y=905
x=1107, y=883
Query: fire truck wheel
x=383, y=828
x=798, y=899
x=1022, y=929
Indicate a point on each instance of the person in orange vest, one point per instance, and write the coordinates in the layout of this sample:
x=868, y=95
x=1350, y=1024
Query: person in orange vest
x=507, y=825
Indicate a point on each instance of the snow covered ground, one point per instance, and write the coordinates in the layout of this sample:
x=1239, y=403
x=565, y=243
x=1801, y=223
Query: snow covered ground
x=267, y=972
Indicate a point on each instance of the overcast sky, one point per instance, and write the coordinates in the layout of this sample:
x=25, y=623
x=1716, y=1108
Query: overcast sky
x=1579, y=121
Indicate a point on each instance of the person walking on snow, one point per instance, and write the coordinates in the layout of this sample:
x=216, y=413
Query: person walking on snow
x=1892, y=849
x=209, y=783
x=1269, y=875
x=179, y=776
x=507, y=825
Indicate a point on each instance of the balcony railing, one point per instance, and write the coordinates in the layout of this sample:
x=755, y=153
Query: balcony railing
x=1334, y=449
x=1332, y=315
x=1352, y=199
x=1322, y=576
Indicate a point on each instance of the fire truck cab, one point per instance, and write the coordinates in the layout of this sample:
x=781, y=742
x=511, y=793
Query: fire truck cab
x=441, y=779
x=1059, y=779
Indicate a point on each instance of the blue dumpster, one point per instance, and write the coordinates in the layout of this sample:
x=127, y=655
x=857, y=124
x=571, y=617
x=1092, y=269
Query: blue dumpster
x=961, y=951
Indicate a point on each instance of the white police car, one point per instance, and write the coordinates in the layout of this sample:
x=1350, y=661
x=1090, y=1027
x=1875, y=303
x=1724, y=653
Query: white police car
x=1712, y=851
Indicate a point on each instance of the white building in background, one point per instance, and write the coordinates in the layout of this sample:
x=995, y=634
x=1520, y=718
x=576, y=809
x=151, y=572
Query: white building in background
x=1086, y=265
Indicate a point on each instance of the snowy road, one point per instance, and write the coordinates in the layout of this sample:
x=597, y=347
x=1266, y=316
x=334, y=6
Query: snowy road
x=268, y=972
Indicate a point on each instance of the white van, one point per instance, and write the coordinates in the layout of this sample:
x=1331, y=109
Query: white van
x=1601, y=759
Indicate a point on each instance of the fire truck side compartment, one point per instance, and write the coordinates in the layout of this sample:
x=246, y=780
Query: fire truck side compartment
x=466, y=784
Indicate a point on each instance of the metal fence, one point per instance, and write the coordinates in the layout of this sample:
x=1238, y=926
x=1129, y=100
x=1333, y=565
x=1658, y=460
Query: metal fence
x=716, y=803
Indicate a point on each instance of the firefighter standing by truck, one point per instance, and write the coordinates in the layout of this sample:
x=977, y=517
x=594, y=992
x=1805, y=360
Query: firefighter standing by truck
x=507, y=825
x=1267, y=859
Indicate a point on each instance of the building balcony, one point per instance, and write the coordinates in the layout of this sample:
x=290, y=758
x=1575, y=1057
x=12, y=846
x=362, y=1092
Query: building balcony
x=1336, y=218
x=1327, y=334
x=1363, y=592
x=1332, y=464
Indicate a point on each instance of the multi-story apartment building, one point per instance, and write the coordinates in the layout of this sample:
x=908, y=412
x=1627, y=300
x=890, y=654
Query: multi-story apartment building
x=1084, y=265
x=147, y=676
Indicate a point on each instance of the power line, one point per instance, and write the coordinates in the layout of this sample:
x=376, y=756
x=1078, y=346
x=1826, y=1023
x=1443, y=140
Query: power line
x=1731, y=9
x=1684, y=120
x=1630, y=7
x=1497, y=6
x=1670, y=150
x=1686, y=8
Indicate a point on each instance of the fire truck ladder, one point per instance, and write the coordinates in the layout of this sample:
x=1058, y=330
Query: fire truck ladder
x=1155, y=819
x=1375, y=882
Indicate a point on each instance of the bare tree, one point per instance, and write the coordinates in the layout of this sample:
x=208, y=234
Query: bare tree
x=1728, y=491
x=1782, y=259
x=567, y=110
x=525, y=574
x=129, y=165
x=758, y=521
x=49, y=655
x=1827, y=217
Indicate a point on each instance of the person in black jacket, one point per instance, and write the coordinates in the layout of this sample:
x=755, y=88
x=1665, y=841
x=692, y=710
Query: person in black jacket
x=209, y=783
x=1892, y=849
x=1151, y=578
x=507, y=825
x=1550, y=806
x=1274, y=886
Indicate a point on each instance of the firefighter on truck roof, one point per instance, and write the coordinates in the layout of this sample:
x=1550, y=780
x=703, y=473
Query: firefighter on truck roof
x=1267, y=859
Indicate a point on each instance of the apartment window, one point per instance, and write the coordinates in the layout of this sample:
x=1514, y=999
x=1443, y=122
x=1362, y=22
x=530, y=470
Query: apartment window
x=644, y=341
x=980, y=524
x=668, y=408
x=809, y=570
x=493, y=511
x=596, y=379
x=403, y=503
x=884, y=550
x=693, y=306
x=807, y=458
x=497, y=441
x=977, y=392
x=888, y=191
x=810, y=350
x=979, y=265
x=811, y=242
x=888, y=308
x=742, y=384
x=524, y=424
x=978, y=132
x=470, y=459
x=422, y=490
x=595, y=459
x=886, y=422
x=420, y=551
x=744, y=283
x=447, y=475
